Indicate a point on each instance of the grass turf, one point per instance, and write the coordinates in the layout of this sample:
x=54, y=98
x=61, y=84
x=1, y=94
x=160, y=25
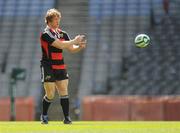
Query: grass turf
x=90, y=127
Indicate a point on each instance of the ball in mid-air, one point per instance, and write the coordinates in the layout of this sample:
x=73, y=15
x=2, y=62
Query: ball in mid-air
x=142, y=40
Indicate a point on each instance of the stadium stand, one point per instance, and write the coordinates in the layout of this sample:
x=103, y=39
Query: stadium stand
x=21, y=23
x=122, y=69
x=110, y=64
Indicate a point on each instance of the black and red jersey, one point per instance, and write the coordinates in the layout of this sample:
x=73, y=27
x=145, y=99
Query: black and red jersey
x=51, y=55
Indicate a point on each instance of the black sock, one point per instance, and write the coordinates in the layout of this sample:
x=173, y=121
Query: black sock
x=46, y=103
x=64, y=101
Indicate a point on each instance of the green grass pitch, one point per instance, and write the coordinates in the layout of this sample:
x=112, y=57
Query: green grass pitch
x=90, y=127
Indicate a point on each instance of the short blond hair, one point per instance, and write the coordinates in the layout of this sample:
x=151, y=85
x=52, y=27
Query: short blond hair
x=51, y=13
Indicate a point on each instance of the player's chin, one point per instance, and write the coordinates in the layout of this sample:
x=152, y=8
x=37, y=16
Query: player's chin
x=57, y=25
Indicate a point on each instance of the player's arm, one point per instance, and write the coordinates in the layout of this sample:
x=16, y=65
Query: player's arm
x=61, y=44
x=75, y=49
x=66, y=44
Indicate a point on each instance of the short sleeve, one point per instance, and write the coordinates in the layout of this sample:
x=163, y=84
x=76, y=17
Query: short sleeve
x=66, y=36
x=47, y=38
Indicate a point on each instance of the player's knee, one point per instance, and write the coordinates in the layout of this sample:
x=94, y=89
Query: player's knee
x=63, y=91
x=64, y=88
x=50, y=96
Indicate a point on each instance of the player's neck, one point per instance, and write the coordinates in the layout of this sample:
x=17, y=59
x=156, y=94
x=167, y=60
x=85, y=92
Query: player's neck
x=53, y=28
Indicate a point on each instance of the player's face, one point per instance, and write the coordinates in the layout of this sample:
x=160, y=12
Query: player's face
x=55, y=22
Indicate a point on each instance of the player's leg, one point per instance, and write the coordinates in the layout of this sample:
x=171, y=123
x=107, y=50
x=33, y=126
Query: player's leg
x=49, y=95
x=62, y=88
x=47, y=100
x=49, y=87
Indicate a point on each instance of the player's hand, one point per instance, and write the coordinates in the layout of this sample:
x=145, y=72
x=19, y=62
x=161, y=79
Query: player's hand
x=80, y=39
x=83, y=44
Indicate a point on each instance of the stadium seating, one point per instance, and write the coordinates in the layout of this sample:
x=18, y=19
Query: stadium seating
x=21, y=24
x=110, y=64
x=119, y=67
